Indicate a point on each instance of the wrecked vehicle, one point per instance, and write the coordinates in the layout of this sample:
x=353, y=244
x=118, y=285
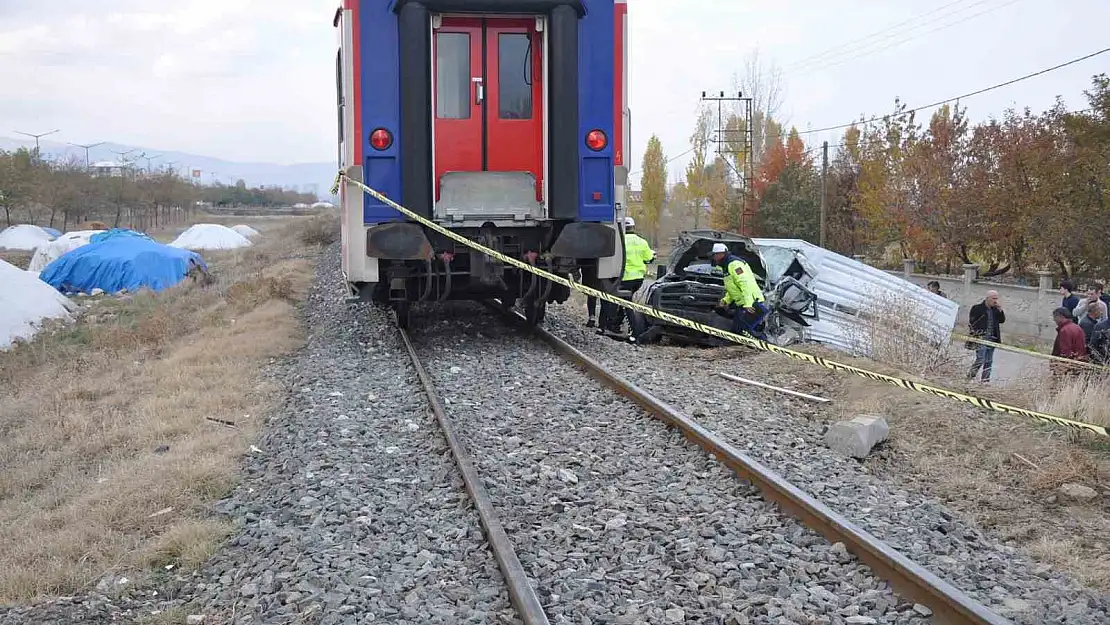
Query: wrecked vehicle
x=863, y=310
x=690, y=286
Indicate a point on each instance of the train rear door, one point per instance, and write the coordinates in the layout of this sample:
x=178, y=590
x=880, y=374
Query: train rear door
x=488, y=119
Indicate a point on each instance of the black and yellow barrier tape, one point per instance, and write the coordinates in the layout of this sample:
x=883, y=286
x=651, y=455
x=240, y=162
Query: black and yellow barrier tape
x=1028, y=352
x=980, y=402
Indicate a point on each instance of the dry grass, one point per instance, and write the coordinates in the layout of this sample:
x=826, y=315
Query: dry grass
x=108, y=459
x=19, y=258
x=321, y=229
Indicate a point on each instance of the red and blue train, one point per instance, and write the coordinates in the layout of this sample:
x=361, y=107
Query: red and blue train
x=503, y=120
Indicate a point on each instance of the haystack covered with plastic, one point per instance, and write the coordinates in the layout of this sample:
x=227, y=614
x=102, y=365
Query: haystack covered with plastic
x=25, y=303
x=210, y=237
x=120, y=262
x=247, y=231
x=53, y=250
x=23, y=237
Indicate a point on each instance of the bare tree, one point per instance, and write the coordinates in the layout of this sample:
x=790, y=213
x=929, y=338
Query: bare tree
x=762, y=81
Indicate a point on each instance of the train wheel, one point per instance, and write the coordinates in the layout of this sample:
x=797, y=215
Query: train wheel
x=403, y=312
x=535, y=312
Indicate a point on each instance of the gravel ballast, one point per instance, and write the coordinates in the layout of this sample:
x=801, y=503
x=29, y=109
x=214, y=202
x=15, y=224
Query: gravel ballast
x=355, y=495
x=774, y=429
x=615, y=516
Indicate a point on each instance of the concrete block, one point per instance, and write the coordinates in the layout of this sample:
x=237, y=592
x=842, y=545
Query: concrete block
x=857, y=437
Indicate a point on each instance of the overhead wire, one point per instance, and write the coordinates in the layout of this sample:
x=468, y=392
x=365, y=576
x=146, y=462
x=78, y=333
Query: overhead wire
x=963, y=96
x=834, y=50
x=918, y=109
x=867, y=52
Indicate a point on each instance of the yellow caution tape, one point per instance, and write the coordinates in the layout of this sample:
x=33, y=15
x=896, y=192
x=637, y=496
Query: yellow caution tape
x=1029, y=352
x=723, y=334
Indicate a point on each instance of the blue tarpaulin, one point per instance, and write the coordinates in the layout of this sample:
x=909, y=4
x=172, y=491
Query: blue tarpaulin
x=116, y=233
x=52, y=232
x=120, y=263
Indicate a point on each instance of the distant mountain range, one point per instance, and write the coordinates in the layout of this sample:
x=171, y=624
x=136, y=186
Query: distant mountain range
x=304, y=177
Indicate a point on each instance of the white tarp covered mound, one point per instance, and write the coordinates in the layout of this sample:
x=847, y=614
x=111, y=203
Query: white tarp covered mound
x=25, y=302
x=23, y=237
x=247, y=231
x=53, y=250
x=210, y=237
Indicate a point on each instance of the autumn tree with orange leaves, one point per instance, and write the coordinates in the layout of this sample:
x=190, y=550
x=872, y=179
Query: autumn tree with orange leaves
x=1027, y=191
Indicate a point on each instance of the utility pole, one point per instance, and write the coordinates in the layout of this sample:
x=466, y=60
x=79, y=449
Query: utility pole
x=170, y=167
x=92, y=145
x=37, y=137
x=722, y=142
x=824, y=193
x=148, y=159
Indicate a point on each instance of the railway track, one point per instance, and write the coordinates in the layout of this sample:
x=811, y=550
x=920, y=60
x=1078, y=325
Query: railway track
x=508, y=507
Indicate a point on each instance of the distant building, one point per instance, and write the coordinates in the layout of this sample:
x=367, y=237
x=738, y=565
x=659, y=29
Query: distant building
x=101, y=169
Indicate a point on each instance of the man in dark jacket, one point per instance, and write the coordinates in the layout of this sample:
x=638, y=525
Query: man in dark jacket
x=1090, y=319
x=1070, y=342
x=1067, y=292
x=985, y=322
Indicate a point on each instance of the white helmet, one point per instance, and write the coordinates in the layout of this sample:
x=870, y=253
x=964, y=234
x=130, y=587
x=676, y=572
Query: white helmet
x=629, y=222
x=720, y=248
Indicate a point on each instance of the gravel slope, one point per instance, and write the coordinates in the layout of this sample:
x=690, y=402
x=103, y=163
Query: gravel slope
x=351, y=512
x=773, y=429
x=617, y=518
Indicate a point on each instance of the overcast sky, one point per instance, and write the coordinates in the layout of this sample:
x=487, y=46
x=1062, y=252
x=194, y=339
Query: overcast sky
x=254, y=79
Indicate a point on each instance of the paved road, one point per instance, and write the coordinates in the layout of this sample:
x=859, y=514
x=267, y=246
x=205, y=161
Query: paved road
x=1010, y=368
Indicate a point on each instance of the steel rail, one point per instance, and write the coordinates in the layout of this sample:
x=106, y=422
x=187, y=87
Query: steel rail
x=950, y=605
x=521, y=593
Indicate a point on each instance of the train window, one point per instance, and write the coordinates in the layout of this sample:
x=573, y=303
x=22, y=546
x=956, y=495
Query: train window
x=514, y=76
x=453, y=75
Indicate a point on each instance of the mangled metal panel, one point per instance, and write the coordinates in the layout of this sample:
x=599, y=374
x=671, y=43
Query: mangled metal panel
x=856, y=302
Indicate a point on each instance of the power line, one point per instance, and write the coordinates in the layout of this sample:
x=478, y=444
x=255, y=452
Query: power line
x=959, y=97
x=867, y=52
x=924, y=107
x=666, y=162
x=835, y=49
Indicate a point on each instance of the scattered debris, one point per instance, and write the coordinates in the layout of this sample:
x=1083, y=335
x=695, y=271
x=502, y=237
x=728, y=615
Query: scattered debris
x=774, y=388
x=1078, y=492
x=161, y=512
x=856, y=438
x=161, y=449
x=230, y=424
x=255, y=449
x=1026, y=461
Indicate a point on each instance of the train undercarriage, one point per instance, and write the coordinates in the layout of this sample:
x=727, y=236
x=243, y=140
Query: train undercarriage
x=417, y=265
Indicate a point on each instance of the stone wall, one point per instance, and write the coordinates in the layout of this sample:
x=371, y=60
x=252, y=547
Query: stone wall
x=1028, y=309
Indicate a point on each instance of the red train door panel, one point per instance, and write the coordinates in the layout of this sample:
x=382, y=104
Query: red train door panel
x=514, y=111
x=458, y=91
x=495, y=121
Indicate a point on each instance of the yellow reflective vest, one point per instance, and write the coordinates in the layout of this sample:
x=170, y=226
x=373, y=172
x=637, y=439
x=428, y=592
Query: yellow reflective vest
x=740, y=285
x=637, y=255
